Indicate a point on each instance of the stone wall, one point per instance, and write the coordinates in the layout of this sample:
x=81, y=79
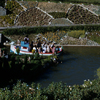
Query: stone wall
x=2, y=11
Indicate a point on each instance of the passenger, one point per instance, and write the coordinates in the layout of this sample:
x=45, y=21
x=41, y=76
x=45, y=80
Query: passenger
x=44, y=44
x=29, y=48
x=32, y=44
x=48, y=47
x=52, y=48
x=40, y=50
x=56, y=49
x=26, y=39
x=52, y=45
x=44, y=49
x=34, y=48
x=39, y=44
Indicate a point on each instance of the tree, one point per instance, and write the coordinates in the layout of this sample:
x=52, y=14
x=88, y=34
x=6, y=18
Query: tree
x=2, y=3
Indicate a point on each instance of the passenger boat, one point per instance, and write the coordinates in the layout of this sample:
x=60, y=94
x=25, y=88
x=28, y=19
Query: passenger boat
x=24, y=50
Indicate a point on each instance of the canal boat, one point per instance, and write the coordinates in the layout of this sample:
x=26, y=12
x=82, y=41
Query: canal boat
x=23, y=49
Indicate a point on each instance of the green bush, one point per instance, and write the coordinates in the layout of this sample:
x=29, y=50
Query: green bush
x=58, y=14
x=43, y=30
x=7, y=19
x=76, y=33
x=17, y=50
x=90, y=90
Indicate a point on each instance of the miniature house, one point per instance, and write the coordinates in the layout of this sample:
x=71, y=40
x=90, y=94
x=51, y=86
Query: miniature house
x=2, y=11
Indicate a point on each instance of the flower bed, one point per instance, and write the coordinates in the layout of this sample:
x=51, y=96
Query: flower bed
x=33, y=17
x=79, y=15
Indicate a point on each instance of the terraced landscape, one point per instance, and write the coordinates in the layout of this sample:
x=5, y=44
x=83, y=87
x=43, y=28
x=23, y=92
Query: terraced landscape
x=31, y=13
x=78, y=15
x=33, y=17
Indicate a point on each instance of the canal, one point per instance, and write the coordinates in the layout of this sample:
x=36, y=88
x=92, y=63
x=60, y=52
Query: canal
x=78, y=64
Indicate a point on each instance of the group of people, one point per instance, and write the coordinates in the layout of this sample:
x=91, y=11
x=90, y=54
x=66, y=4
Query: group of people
x=42, y=47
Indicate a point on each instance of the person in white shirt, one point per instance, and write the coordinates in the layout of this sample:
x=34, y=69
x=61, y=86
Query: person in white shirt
x=48, y=47
x=44, y=49
x=34, y=47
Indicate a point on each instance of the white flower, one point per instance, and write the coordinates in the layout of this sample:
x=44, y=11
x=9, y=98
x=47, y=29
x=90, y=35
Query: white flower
x=70, y=88
x=84, y=80
x=90, y=82
x=88, y=79
x=84, y=85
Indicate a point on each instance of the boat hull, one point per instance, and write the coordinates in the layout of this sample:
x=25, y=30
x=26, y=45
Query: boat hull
x=25, y=52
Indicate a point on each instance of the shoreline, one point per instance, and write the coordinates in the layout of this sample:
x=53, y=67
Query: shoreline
x=79, y=45
x=68, y=45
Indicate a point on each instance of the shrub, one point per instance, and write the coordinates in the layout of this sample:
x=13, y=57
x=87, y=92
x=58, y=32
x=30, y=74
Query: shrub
x=17, y=50
x=58, y=14
x=76, y=33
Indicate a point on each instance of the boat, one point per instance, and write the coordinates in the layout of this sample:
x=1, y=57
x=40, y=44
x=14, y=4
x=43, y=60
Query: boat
x=23, y=49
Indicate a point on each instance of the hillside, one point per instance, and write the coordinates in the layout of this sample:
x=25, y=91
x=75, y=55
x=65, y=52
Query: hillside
x=79, y=15
x=13, y=9
x=33, y=17
x=16, y=14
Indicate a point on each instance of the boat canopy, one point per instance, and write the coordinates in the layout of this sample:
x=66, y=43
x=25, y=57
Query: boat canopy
x=23, y=44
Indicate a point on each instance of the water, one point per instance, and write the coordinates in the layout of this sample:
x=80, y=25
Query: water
x=78, y=64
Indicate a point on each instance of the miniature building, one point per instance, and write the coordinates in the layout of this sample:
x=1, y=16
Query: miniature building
x=2, y=11
x=3, y=39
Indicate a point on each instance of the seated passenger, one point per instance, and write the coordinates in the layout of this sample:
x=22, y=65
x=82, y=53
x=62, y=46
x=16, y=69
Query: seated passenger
x=29, y=48
x=40, y=50
x=26, y=39
x=48, y=47
x=44, y=49
x=31, y=44
x=34, y=47
x=52, y=48
x=39, y=44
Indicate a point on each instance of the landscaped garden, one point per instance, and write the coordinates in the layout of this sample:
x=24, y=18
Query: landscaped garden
x=13, y=9
x=79, y=15
x=25, y=67
x=33, y=17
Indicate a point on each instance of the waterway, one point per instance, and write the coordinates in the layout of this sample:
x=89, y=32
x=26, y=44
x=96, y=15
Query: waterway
x=78, y=64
